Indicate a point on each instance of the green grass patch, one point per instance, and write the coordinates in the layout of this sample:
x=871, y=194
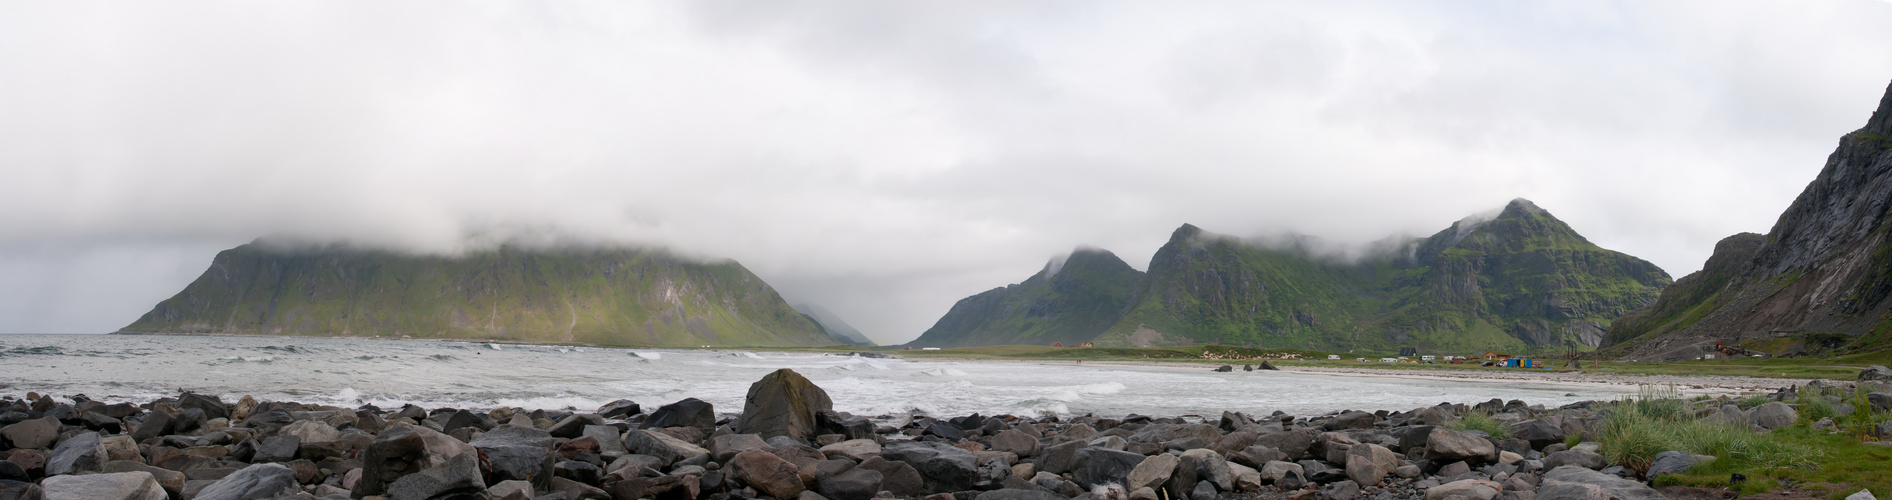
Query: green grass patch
x=1480, y=421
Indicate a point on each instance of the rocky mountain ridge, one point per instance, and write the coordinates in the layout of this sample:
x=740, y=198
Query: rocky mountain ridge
x=1071, y=299
x=597, y=296
x=1823, y=274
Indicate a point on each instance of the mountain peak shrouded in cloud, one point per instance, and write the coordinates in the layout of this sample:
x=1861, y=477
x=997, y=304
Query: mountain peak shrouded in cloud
x=884, y=160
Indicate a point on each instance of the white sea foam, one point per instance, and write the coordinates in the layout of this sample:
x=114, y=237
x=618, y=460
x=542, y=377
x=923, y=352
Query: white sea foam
x=389, y=373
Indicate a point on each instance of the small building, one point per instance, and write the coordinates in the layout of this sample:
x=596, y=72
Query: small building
x=1057, y=344
x=1333, y=357
x=1496, y=356
x=1408, y=351
x=1087, y=344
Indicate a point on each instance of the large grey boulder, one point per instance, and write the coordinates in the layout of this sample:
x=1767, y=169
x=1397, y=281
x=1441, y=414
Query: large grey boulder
x=519, y=453
x=1368, y=464
x=1446, y=446
x=459, y=476
x=1578, y=457
x=1275, y=470
x=172, y=481
x=857, y=483
x=78, y=454
x=1671, y=462
x=783, y=403
x=1540, y=432
x=114, y=486
x=665, y=447
x=255, y=481
x=899, y=478
x=32, y=434
x=1016, y=442
x=766, y=473
x=17, y=490
x=1577, y=483
x=1293, y=443
x=690, y=412
x=1153, y=471
x=944, y=467
x=311, y=431
x=853, y=449
x=403, y=449
x=1104, y=466
x=1875, y=372
x=724, y=447
x=1773, y=415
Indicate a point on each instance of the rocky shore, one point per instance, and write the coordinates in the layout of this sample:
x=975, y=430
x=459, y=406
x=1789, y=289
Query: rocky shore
x=788, y=443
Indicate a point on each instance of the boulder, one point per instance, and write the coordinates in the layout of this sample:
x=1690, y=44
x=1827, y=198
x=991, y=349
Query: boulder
x=1059, y=458
x=509, y=490
x=1773, y=415
x=766, y=473
x=1880, y=401
x=20, y=490
x=623, y=408
x=665, y=447
x=1875, y=372
x=942, y=467
x=77, y=454
x=1577, y=483
x=857, y=483
x=112, y=486
x=1292, y=443
x=1153, y=471
x=1578, y=457
x=1342, y=490
x=1445, y=445
x=311, y=431
x=853, y=449
x=1540, y=432
x=899, y=478
x=610, y=441
x=459, y=476
x=1472, y=489
x=212, y=407
x=690, y=412
x=519, y=453
x=1275, y=470
x=277, y=449
x=1246, y=478
x=255, y=481
x=1103, y=466
x=782, y=403
x=573, y=426
x=121, y=447
x=1016, y=442
x=1352, y=420
x=1368, y=464
x=573, y=490
x=172, y=481
x=1206, y=465
x=724, y=447
x=32, y=434
x=403, y=449
x=1671, y=462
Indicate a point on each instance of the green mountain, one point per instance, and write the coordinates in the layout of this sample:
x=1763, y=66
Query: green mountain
x=1522, y=281
x=836, y=328
x=1069, y=301
x=1821, y=280
x=611, y=297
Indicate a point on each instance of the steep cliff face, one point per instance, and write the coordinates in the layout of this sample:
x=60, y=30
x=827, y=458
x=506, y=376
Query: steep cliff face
x=616, y=297
x=1070, y=301
x=1825, y=268
x=1519, y=279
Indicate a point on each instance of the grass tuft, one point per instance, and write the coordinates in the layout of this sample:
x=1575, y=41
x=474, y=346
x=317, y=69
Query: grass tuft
x=1481, y=421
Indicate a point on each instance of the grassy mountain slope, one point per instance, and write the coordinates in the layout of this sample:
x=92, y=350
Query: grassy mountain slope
x=613, y=297
x=1069, y=301
x=1518, y=280
x=1822, y=275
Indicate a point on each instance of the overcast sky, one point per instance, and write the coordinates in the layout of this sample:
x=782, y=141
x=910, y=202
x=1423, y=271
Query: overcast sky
x=884, y=159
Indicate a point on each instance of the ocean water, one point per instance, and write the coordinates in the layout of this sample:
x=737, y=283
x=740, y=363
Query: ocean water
x=433, y=374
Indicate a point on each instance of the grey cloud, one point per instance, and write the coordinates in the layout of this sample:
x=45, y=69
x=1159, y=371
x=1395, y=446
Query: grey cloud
x=883, y=159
